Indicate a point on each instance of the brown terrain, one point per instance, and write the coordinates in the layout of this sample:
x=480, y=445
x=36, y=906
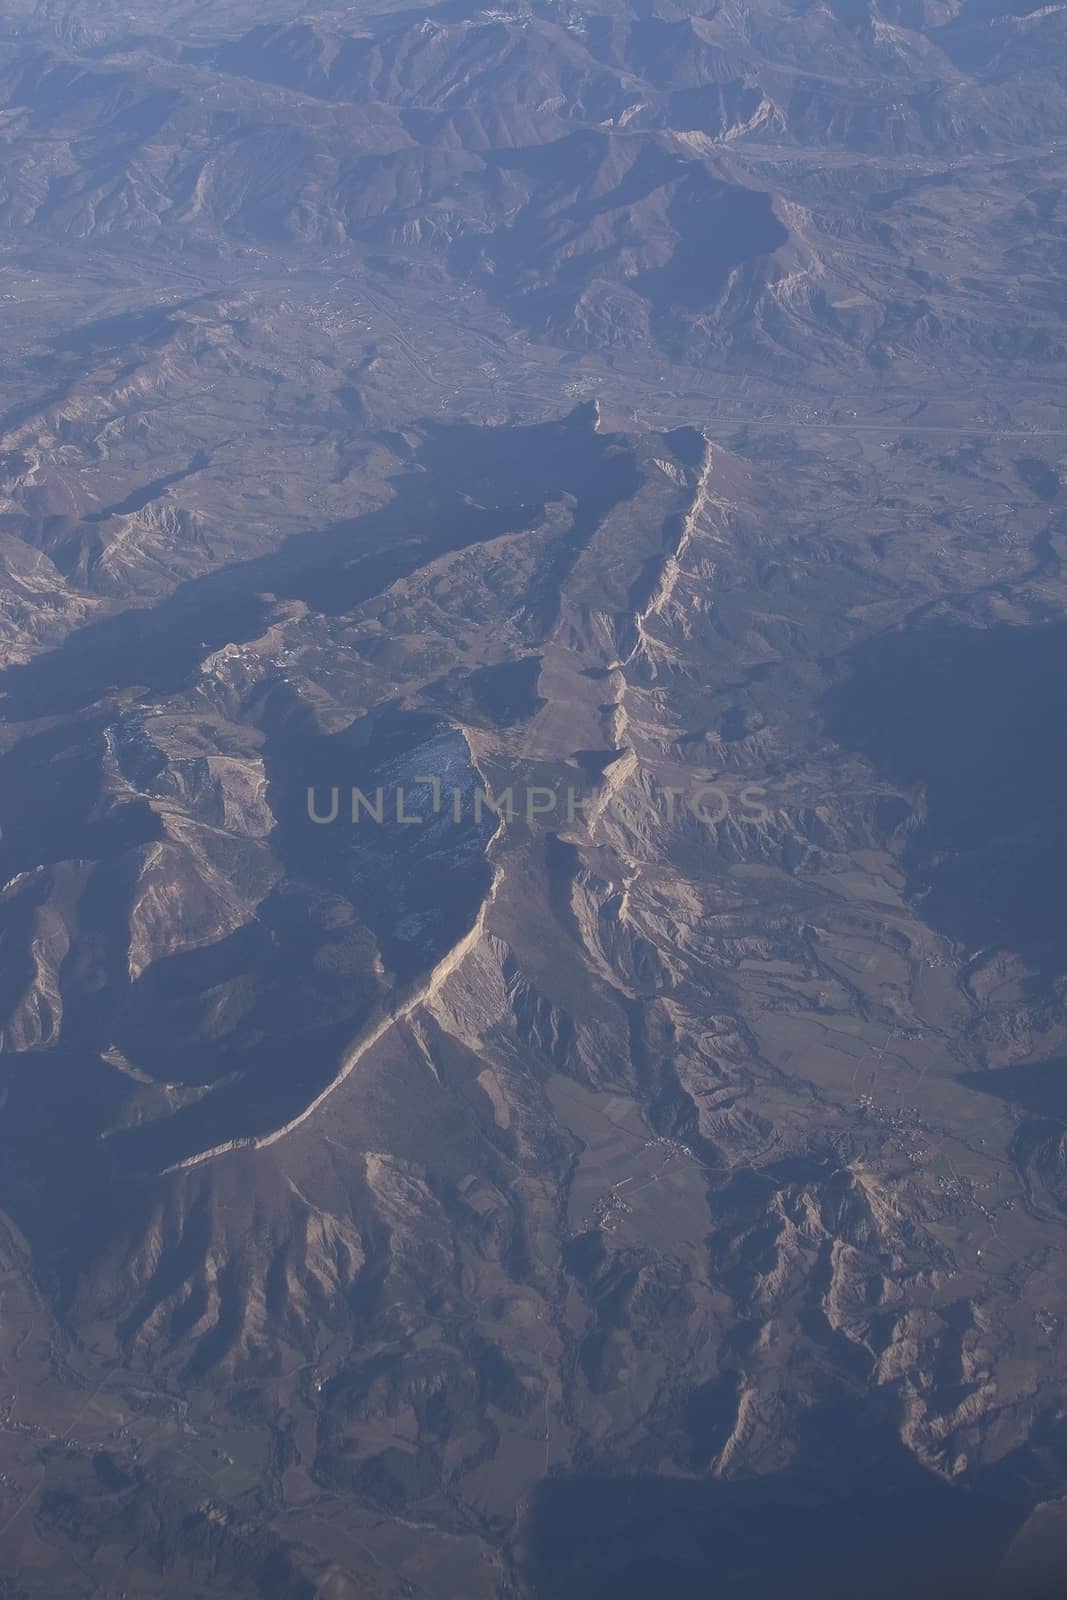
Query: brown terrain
x=632, y=441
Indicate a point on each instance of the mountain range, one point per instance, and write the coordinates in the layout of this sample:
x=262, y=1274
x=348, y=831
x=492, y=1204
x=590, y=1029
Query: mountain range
x=532, y=552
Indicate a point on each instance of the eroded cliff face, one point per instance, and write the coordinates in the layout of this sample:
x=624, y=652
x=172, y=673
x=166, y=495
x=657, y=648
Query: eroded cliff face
x=613, y=1099
x=532, y=966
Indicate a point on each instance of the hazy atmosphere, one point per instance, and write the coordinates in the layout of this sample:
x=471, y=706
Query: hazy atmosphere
x=533, y=765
